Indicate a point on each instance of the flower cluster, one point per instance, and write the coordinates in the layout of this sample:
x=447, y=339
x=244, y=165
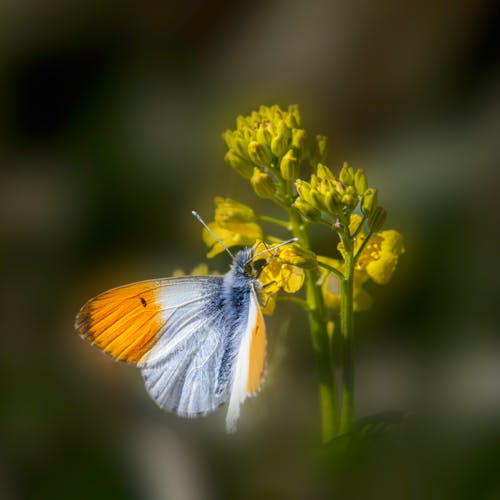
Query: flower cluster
x=328, y=198
x=267, y=148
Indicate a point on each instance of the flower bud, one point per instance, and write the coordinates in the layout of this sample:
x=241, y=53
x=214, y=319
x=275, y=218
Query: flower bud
x=324, y=172
x=241, y=122
x=299, y=137
x=263, y=135
x=294, y=110
x=240, y=146
x=346, y=175
x=238, y=164
x=360, y=181
x=369, y=201
x=289, y=166
x=376, y=220
x=307, y=210
x=304, y=190
x=228, y=138
x=333, y=203
x=262, y=184
x=279, y=145
x=259, y=153
x=319, y=201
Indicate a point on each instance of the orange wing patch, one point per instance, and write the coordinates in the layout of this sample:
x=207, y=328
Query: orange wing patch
x=124, y=321
x=257, y=354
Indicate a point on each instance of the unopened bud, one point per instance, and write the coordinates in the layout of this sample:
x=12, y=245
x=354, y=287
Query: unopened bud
x=304, y=190
x=279, y=145
x=264, y=136
x=228, y=138
x=262, y=184
x=307, y=210
x=239, y=164
x=324, y=172
x=369, y=201
x=294, y=110
x=259, y=153
x=346, y=175
x=240, y=146
x=299, y=137
x=360, y=182
x=289, y=167
x=333, y=203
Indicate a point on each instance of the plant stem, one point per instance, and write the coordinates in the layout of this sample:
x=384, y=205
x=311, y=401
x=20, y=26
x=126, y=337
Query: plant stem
x=272, y=220
x=338, y=273
x=346, y=330
x=321, y=343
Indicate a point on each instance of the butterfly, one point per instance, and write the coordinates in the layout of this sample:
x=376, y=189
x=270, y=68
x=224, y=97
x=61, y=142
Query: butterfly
x=199, y=341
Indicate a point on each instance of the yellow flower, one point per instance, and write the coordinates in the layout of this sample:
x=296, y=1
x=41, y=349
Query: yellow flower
x=377, y=262
x=234, y=225
x=280, y=273
x=380, y=256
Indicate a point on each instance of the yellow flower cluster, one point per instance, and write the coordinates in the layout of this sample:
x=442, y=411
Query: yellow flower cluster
x=377, y=261
x=330, y=195
x=267, y=145
x=234, y=224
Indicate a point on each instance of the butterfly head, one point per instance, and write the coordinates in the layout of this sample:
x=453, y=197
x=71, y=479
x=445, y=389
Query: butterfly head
x=245, y=263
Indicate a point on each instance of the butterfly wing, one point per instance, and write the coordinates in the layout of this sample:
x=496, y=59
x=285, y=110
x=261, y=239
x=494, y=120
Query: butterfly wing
x=174, y=330
x=250, y=361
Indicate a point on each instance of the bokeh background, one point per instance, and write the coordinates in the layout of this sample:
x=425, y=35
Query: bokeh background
x=110, y=117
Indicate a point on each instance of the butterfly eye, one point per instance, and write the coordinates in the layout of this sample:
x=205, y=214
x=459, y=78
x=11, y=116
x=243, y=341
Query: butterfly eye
x=258, y=265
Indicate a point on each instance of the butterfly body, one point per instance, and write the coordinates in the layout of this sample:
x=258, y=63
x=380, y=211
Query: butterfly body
x=199, y=341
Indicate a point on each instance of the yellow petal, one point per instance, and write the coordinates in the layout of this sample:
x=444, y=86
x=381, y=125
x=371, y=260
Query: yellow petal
x=354, y=222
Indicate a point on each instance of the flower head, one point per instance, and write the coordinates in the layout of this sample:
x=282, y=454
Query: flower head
x=262, y=138
x=281, y=273
x=377, y=262
x=234, y=225
x=380, y=255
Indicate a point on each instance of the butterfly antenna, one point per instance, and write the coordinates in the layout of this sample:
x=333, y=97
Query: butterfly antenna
x=205, y=225
x=267, y=250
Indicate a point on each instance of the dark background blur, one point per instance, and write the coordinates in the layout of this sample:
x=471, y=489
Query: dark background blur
x=110, y=117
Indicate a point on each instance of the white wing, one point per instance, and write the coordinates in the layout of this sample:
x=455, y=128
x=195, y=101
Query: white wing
x=241, y=386
x=182, y=372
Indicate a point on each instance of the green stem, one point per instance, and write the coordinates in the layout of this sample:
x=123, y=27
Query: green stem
x=346, y=330
x=272, y=220
x=319, y=333
x=331, y=269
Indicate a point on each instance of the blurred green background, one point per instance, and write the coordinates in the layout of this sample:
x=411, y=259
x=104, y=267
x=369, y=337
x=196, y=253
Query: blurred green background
x=110, y=117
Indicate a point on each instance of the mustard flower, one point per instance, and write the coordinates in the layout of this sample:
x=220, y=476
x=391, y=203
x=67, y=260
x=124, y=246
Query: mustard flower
x=234, y=224
x=282, y=272
x=380, y=255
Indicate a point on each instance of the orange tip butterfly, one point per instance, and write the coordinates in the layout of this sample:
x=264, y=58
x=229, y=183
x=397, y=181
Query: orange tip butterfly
x=199, y=341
